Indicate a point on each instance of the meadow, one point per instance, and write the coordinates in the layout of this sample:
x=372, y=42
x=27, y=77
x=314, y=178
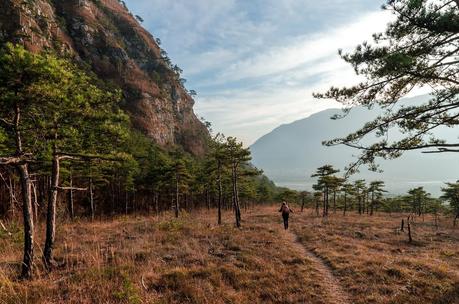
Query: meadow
x=159, y=259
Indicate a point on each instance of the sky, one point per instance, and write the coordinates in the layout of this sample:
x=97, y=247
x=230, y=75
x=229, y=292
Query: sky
x=256, y=63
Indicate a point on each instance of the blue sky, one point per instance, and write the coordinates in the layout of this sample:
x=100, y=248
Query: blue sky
x=255, y=63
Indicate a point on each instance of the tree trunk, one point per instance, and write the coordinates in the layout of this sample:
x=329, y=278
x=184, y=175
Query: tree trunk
x=207, y=199
x=317, y=207
x=177, y=196
x=70, y=206
x=27, y=263
x=410, y=239
x=133, y=201
x=237, y=210
x=345, y=204
x=112, y=195
x=334, y=201
x=156, y=198
x=372, y=203
x=51, y=214
x=185, y=202
x=324, y=211
x=41, y=190
x=35, y=202
x=12, y=197
x=91, y=198
x=219, y=169
x=302, y=203
x=126, y=203
x=238, y=204
x=360, y=203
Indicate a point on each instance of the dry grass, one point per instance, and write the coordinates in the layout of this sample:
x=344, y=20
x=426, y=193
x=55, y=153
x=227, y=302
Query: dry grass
x=375, y=263
x=191, y=260
x=163, y=260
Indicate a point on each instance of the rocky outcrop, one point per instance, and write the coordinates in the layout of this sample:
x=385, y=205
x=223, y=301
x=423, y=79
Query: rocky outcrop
x=105, y=37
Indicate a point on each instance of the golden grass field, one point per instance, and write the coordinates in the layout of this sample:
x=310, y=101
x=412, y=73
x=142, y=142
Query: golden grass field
x=153, y=259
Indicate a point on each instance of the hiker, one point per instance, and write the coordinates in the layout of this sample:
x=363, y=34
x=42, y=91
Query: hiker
x=285, y=213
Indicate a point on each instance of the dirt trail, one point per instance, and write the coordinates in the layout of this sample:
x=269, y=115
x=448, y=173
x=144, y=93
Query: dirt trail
x=336, y=294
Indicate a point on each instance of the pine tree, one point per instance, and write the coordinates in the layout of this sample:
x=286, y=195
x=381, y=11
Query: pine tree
x=71, y=109
x=348, y=190
x=220, y=159
x=22, y=72
x=325, y=181
x=451, y=194
x=376, y=188
x=360, y=191
x=180, y=177
x=237, y=155
x=418, y=49
x=417, y=197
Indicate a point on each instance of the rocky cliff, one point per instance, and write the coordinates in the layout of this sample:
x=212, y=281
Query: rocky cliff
x=104, y=36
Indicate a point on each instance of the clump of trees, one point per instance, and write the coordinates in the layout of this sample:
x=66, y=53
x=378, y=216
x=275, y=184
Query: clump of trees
x=66, y=145
x=418, y=49
x=367, y=198
x=327, y=182
x=346, y=195
x=50, y=112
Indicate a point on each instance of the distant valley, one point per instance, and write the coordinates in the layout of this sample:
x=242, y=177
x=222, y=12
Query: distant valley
x=291, y=153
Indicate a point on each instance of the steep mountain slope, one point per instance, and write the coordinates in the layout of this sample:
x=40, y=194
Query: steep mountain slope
x=104, y=36
x=291, y=153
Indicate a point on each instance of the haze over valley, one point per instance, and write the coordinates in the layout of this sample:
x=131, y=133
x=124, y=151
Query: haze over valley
x=291, y=153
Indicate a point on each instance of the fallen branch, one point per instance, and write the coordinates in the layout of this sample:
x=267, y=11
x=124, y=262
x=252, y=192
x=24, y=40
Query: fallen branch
x=64, y=155
x=4, y=228
x=143, y=284
x=13, y=196
x=72, y=188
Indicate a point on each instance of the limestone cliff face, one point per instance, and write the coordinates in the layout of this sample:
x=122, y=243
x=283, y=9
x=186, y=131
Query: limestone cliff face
x=103, y=35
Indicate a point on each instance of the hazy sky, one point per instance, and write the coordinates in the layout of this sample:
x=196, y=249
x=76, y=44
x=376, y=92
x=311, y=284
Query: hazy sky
x=256, y=63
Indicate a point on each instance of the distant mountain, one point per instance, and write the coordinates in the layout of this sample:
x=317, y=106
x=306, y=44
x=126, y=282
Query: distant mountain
x=291, y=153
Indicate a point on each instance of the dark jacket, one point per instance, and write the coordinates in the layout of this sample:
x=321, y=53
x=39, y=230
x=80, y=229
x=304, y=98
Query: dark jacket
x=285, y=210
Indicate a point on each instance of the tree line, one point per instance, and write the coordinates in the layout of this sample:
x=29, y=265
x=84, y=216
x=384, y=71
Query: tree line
x=339, y=193
x=419, y=48
x=68, y=149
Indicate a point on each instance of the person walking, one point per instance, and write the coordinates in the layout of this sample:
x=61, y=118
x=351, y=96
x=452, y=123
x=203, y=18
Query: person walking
x=285, y=209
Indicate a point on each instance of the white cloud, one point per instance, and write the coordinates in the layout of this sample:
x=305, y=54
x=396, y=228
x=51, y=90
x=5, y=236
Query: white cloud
x=306, y=49
x=282, y=92
x=256, y=63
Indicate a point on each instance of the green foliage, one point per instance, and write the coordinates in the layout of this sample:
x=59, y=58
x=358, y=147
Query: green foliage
x=60, y=104
x=326, y=178
x=65, y=111
x=171, y=226
x=418, y=49
x=451, y=194
x=418, y=197
x=288, y=195
x=128, y=291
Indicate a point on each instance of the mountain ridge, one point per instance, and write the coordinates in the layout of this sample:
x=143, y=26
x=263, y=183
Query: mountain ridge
x=106, y=37
x=291, y=152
